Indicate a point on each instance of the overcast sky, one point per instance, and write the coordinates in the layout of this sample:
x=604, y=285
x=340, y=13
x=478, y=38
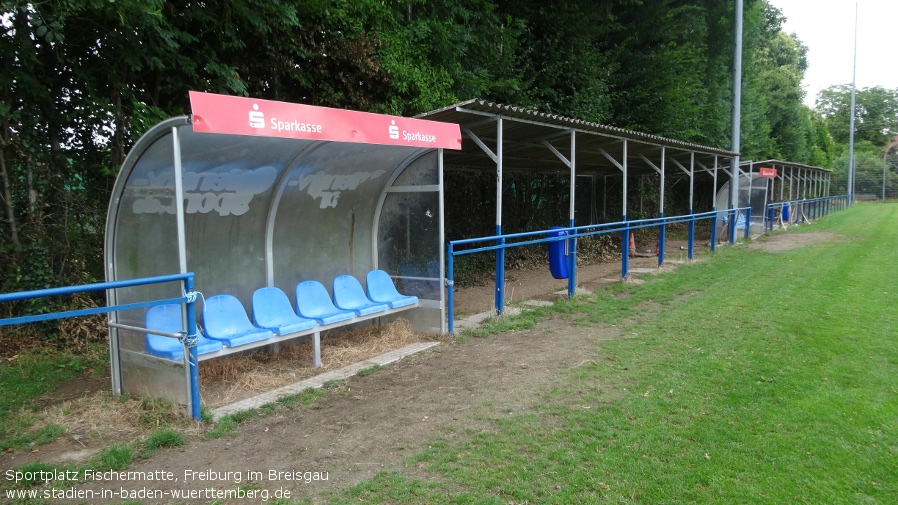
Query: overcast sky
x=826, y=27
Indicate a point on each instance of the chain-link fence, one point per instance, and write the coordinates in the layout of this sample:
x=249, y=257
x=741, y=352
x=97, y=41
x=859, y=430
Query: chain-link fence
x=874, y=179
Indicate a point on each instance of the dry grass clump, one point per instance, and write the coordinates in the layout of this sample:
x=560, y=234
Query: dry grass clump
x=233, y=378
x=106, y=417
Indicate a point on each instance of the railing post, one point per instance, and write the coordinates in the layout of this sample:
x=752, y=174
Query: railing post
x=450, y=286
x=748, y=222
x=691, y=245
x=714, y=231
x=500, y=273
x=661, y=239
x=572, y=263
x=734, y=214
x=190, y=342
x=625, y=250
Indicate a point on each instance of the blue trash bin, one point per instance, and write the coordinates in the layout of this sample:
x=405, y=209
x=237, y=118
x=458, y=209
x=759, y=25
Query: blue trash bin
x=558, y=257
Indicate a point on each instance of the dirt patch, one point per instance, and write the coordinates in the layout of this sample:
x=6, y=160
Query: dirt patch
x=224, y=381
x=783, y=242
x=376, y=422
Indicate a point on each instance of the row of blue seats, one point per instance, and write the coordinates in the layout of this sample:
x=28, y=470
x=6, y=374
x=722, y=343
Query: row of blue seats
x=226, y=324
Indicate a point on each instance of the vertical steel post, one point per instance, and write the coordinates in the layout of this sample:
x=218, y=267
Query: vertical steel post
x=691, y=244
x=572, y=242
x=663, y=229
x=188, y=313
x=442, y=209
x=450, y=285
x=190, y=351
x=851, y=173
x=736, y=120
x=714, y=209
x=500, y=253
x=625, y=250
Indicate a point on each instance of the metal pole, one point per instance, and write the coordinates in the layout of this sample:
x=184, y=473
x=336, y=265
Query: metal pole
x=625, y=250
x=500, y=253
x=691, y=245
x=572, y=255
x=442, y=207
x=736, y=119
x=851, y=126
x=450, y=285
x=663, y=228
x=714, y=208
x=188, y=310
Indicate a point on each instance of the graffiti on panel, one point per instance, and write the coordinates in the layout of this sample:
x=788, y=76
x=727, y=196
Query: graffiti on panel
x=327, y=187
x=225, y=193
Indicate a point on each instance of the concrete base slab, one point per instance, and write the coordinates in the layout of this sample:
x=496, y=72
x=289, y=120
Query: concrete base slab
x=538, y=303
x=577, y=291
x=475, y=320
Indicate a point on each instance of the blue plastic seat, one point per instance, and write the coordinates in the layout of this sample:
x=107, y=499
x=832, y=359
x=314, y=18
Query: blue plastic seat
x=224, y=319
x=313, y=302
x=272, y=310
x=382, y=290
x=167, y=318
x=349, y=295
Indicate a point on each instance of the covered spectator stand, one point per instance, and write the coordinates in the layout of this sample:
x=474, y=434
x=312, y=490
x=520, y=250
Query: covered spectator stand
x=250, y=193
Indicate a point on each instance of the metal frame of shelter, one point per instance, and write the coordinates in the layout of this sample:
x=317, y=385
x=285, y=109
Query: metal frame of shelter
x=505, y=138
x=767, y=181
x=803, y=181
x=249, y=193
x=513, y=139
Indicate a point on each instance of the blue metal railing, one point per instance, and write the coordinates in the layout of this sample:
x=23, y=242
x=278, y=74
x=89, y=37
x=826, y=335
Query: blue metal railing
x=188, y=298
x=501, y=242
x=799, y=210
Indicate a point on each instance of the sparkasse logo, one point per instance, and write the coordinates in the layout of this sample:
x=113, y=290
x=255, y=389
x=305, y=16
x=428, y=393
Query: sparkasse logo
x=256, y=118
x=394, y=130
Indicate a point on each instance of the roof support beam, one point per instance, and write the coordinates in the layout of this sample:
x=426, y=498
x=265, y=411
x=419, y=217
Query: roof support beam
x=560, y=156
x=649, y=162
x=614, y=162
x=489, y=152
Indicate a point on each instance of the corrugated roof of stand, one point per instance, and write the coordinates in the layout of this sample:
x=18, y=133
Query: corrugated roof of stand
x=524, y=132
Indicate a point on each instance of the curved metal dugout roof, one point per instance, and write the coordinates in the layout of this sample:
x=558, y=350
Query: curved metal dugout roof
x=530, y=137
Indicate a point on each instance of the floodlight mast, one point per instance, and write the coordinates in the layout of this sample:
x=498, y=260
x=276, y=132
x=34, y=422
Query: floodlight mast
x=850, y=189
x=737, y=108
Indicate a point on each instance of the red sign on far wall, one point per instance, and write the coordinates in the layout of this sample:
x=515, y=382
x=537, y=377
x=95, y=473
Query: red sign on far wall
x=265, y=118
x=767, y=172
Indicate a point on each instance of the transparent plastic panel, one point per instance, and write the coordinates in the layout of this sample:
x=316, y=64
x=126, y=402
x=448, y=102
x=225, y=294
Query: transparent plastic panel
x=422, y=172
x=145, y=245
x=229, y=184
x=323, y=226
x=408, y=240
x=146, y=234
x=752, y=192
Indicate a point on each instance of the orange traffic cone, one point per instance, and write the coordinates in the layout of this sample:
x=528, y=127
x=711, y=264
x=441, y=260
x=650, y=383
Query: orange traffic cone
x=632, y=245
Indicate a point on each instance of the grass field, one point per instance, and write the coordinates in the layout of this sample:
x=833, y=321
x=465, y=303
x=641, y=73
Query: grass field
x=773, y=378
x=748, y=377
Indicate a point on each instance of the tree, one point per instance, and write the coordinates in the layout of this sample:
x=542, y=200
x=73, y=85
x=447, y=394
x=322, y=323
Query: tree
x=876, y=114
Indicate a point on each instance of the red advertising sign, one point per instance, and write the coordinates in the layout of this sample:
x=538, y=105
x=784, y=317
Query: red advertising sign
x=249, y=116
x=767, y=172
